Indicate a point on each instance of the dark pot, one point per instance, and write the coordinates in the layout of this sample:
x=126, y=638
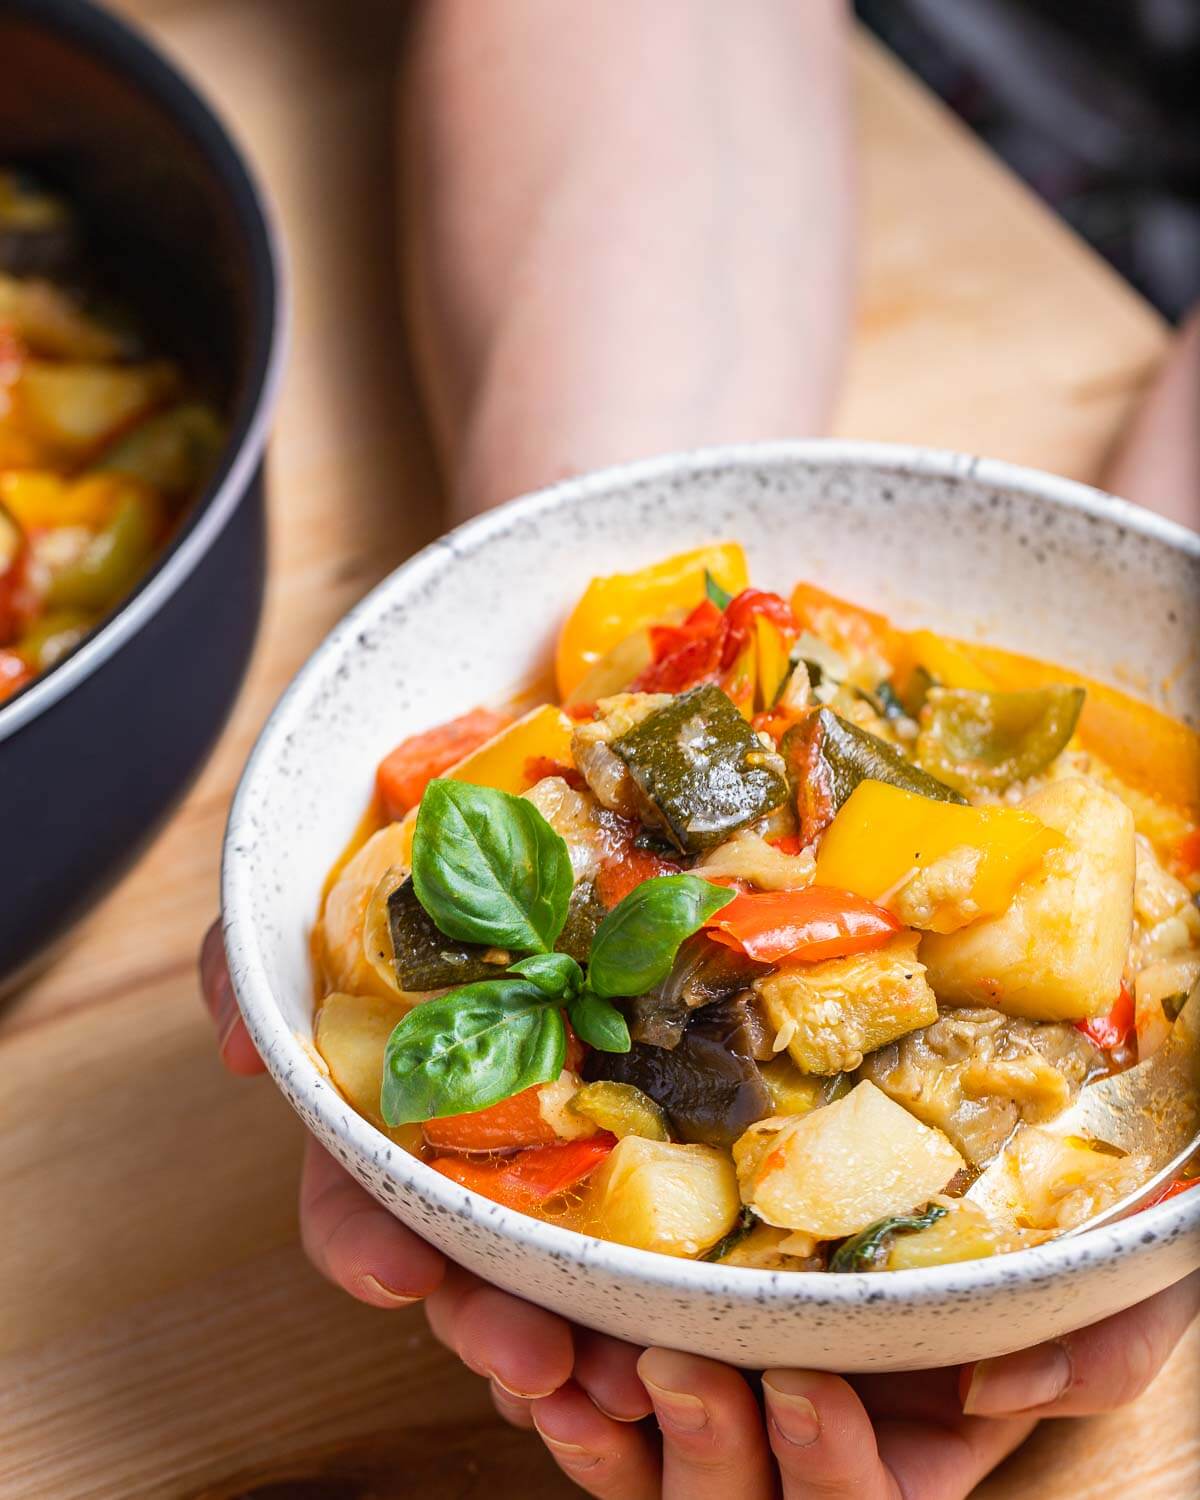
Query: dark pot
x=94, y=755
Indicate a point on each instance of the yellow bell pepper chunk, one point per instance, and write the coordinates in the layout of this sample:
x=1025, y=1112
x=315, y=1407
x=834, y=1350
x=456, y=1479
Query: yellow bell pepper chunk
x=883, y=837
x=501, y=762
x=613, y=607
x=39, y=498
x=771, y=651
x=950, y=663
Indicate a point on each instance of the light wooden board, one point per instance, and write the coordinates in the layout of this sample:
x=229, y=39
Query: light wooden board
x=160, y=1332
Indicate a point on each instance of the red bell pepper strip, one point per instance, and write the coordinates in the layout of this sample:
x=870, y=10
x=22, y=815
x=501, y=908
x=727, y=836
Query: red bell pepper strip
x=406, y=771
x=530, y=1178
x=739, y=618
x=1114, y=1029
x=811, y=924
x=709, y=642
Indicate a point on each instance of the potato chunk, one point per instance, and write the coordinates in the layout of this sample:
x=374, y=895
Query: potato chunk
x=655, y=1195
x=351, y=1035
x=830, y=1014
x=833, y=1172
x=1058, y=952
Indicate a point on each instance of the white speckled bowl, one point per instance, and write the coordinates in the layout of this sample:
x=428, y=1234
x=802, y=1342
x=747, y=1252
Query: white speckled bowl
x=1029, y=561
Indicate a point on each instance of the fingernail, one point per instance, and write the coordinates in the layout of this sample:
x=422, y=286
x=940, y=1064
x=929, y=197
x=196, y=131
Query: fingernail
x=677, y=1408
x=1018, y=1382
x=392, y=1297
x=794, y=1415
x=618, y=1416
x=570, y=1453
x=519, y=1394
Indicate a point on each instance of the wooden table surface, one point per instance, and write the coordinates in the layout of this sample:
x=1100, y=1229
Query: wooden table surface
x=160, y=1332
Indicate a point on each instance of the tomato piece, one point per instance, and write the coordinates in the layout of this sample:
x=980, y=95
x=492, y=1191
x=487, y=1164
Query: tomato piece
x=14, y=673
x=530, y=1178
x=742, y=613
x=538, y=767
x=1171, y=1190
x=407, y=770
x=1187, y=854
x=683, y=656
x=623, y=866
x=1114, y=1029
x=811, y=924
x=790, y=843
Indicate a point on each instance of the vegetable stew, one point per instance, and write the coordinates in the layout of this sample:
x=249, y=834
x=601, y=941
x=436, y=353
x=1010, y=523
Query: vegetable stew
x=101, y=446
x=773, y=937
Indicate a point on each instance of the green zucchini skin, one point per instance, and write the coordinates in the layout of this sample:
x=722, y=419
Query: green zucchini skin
x=700, y=769
x=424, y=957
x=826, y=758
x=868, y=1249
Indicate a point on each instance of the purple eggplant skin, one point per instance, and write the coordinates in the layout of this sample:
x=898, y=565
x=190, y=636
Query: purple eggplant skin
x=709, y=1093
x=703, y=972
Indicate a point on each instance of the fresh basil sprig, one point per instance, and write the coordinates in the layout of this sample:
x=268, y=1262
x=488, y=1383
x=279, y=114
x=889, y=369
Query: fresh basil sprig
x=488, y=868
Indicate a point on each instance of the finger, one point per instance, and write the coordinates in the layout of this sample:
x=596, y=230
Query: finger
x=610, y=1460
x=516, y=1413
x=822, y=1438
x=233, y=1040
x=356, y=1243
x=712, y=1431
x=524, y=1349
x=606, y=1369
x=824, y=1442
x=1095, y=1370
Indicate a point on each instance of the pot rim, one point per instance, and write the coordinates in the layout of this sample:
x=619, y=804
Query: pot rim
x=127, y=52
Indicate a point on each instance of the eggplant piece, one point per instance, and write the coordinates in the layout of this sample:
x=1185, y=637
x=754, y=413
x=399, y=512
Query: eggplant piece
x=700, y=771
x=703, y=971
x=740, y=1024
x=424, y=957
x=710, y=1095
x=826, y=758
x=985, y=741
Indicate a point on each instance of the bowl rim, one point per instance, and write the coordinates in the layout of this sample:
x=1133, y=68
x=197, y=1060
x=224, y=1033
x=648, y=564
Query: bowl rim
x=292, y=1066
x=134, y=57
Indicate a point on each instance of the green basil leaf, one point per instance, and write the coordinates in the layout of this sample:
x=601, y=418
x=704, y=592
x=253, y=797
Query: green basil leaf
x=488, y=868
x=557, y=975
x=868, y=1249
x=636, y=943
x=719, y=596
x=471, y=1048
x=599, y=1023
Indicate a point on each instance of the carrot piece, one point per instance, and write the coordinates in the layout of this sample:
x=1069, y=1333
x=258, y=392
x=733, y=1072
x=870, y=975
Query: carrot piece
x=530, y=1178
x=516, y=1121
x=406, y=771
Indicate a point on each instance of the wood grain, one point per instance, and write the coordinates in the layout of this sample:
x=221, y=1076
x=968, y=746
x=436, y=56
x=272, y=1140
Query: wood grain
x=160, y=1332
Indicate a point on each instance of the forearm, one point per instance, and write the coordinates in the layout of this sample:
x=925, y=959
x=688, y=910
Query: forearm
x=627, y=228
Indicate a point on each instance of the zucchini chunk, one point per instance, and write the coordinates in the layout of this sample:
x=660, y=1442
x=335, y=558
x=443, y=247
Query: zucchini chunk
x=425, y=958
x=984, y=741
x=827, y=757
x=699, y=769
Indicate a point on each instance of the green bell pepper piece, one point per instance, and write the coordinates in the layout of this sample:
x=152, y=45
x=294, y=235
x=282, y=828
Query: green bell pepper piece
x=985, y=741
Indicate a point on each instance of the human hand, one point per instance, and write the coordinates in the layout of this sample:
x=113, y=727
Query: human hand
x=357, y=1244
x=934, y=1434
